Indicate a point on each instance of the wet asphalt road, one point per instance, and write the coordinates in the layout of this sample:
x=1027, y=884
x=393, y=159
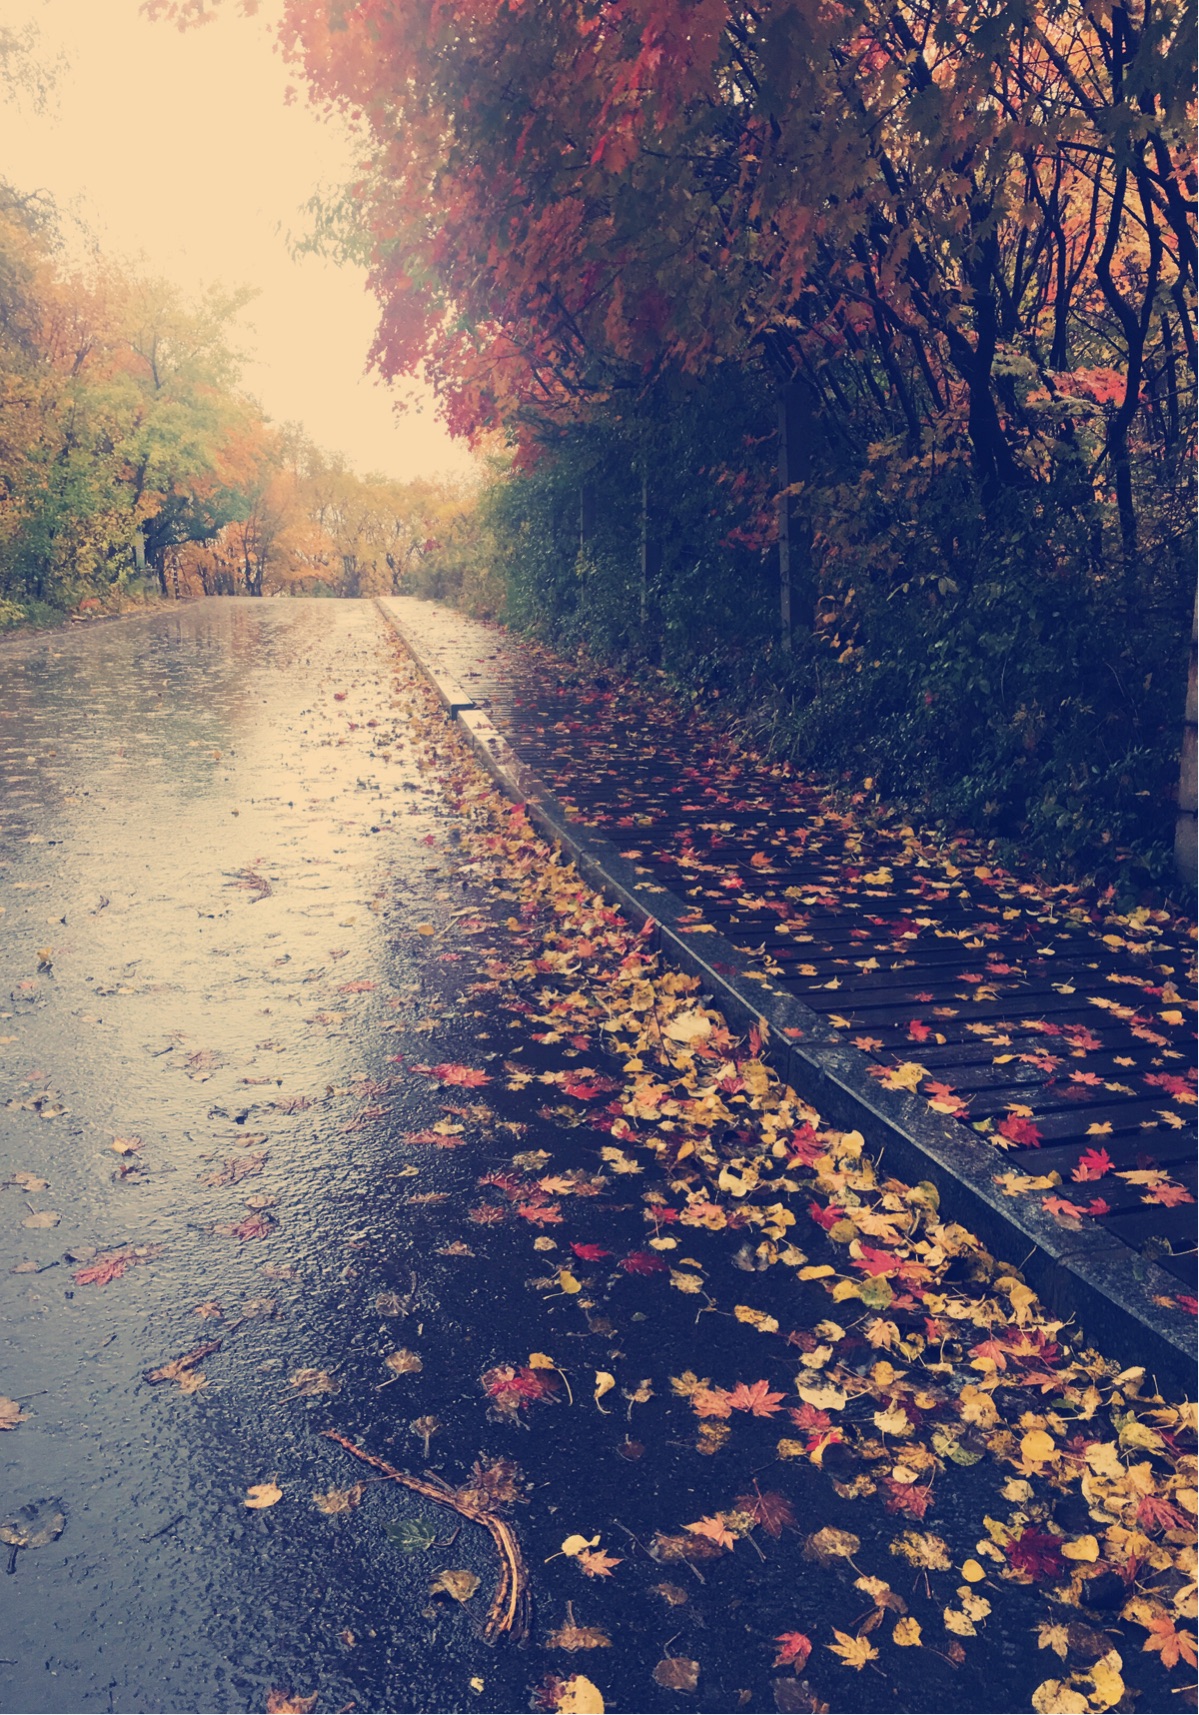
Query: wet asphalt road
x=233, y=930
x=203, y=854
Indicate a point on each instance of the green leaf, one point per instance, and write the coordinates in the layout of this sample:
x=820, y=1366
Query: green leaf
x=411, y=1535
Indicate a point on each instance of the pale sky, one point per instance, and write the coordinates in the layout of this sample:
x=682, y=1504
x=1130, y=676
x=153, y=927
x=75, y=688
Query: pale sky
x=179, y=153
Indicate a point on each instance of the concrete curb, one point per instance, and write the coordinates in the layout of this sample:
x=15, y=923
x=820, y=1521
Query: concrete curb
x=1088, y=1275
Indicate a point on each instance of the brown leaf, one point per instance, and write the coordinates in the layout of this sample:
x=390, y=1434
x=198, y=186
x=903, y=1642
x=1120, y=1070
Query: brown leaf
x=677, y=1673
x=666, y=1547
x=460, y=1585
x=289, y=1703
x=771, y=1510
x=29, y=1182
x=796, y=1697
x=672, y=1594
x=403, y=1362
x=235, y=1168
x=311, y=1383
x=337, y=1501
x=177, y=1368
x=574, y=1637
x=10, y=1413
x=831, y=1544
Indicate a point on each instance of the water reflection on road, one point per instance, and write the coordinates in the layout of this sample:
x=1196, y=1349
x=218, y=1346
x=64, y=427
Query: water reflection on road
x=207, y=842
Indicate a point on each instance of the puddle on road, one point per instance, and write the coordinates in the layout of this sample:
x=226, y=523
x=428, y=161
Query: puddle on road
x=207, y=852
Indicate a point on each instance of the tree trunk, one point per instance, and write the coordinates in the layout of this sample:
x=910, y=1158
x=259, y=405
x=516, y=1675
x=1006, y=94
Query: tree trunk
x=1185, y=851
x=586, y=516
x=651, y=550
x=797, y=427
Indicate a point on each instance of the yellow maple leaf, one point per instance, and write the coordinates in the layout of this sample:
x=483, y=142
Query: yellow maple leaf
x=908, y=1076
x=854, y=1652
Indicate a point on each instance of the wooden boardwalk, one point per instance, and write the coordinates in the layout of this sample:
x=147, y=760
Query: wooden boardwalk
x=1061, y=1032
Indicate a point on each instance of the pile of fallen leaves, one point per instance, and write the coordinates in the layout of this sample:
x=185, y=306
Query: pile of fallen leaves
x=930, y=1354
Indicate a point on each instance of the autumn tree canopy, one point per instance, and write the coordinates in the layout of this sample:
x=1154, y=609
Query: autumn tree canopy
x=973, y=220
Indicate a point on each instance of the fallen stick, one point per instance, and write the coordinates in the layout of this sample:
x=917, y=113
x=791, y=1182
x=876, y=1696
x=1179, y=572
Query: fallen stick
x=509, y=1610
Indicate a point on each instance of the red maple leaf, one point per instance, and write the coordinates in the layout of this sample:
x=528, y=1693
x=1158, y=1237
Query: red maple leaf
x=1020, y=1131
x=511, y=1387
x=990, y=1349
x=642, y=1262
x=771, y=1510
x=255, y=1226
x=1156, y=1514
x=590, y=1253
x=541, y=1214
x=794, y=1650
x=757, y=1399
x=806, y=1145
x=826, y=1218
x=586, y=1090
x=450, y=1074
x=1092, y=1164
x=508, y=1183
x=597, y=1562
x=1036, y=1553
x=945, y=1097
x=1179, y=1088
x=808, y=1417
x=918, y=1031
x=1064, y=1207
x=875, y=1262
x=1168, y=1194
x=100, y=1273
x=911, y=1498
x=711, y=1402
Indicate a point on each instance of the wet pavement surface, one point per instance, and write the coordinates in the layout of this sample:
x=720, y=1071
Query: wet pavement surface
x=269, y=1082
x=205, y=857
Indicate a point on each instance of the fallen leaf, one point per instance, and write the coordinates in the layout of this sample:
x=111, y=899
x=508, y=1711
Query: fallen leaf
x=579, y=1696
x=311, y=1383
x=411, y=1535
x=794, y=1650
x=677, y=1673
x=460, y=1585
x=403, y=1362
x=854, y=1652
x=29, y=1182
x=262, y=1495
x=575, y=1637
x=179, y=1368
x=715, y=1529
x=923, y=1550
x=335, y=1502
x=830, y=1544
